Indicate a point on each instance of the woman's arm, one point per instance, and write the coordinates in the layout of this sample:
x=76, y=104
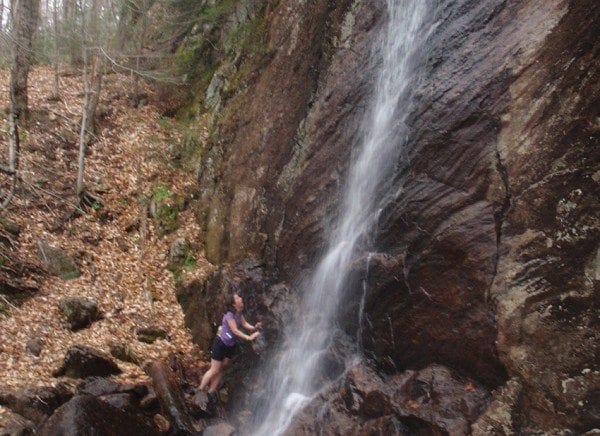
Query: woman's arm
x=236, y=331
x=249, y=326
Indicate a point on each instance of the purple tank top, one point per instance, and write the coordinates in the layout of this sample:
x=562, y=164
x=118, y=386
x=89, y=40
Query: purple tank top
x=227, y=336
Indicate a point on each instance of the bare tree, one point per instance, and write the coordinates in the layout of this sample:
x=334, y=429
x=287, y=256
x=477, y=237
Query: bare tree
x=56, y=92
x=25, y=14
x=93, y=71
x=13, y=157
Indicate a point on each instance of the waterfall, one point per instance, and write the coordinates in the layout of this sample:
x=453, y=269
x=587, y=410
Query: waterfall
x=291, y=373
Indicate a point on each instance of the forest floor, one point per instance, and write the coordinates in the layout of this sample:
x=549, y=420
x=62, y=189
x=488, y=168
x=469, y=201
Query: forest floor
x=122, y=256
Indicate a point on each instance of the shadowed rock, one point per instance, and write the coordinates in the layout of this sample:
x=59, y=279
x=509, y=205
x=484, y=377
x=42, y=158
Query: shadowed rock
x=86, y=414
x=150, y=334
x=124, y=353
x=80, y=312
x=34, y=346
x=36, y=404
x=432, y=401
x=57, y=262
x=82, y=361
x=221, y=429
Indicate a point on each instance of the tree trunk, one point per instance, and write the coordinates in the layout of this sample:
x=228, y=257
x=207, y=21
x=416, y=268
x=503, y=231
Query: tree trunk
x=25, y=19
x=13, y=157
x=84, y=126
x=56, y=92
x=170, y=397
x=69, y=32
x=96, y=87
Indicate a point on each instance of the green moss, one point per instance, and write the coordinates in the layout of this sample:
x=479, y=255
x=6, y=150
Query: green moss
x=215, y=13
x=4, y=309
x=164, y=208
x=249, y=37
x=187, y=263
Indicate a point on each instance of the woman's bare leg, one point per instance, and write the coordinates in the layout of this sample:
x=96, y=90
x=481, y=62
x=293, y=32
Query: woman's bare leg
x=215, y=368
x=216, y=379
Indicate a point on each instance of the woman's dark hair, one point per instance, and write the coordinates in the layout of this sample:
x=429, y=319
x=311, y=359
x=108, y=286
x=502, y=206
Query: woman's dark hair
x=234, y=289
x=230, y=302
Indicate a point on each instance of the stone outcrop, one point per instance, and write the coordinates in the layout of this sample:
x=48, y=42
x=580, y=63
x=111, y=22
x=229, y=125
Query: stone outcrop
x=57, y=262
x=82, y=361
x=486, y=251
x=103, y=406
x=80, y=312
x=36, y=404
x=86, y=412
x=430, y=401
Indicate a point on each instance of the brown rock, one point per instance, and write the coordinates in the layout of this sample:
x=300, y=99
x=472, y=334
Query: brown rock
x=82, y=361
x=487, y=250
x=85, y=412
x=221, y=429
x=150, y=334
x=36, y=404
x=57, y=262
x=80, y=312
x=34, y=346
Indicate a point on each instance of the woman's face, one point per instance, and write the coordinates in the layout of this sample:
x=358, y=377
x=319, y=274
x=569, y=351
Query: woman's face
x=238, y=303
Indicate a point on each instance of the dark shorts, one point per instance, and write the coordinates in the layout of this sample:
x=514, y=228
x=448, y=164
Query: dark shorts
x=221, y=351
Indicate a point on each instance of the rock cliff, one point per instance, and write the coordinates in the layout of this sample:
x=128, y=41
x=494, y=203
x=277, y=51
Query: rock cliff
x=488, y=257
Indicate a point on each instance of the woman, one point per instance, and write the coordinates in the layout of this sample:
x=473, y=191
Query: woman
x=225, y=343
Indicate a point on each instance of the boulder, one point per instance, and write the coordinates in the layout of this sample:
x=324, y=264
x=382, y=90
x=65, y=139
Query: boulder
x=122, y=401
x=34, y=346
x=503, y=413
x=180, y=248
x=84, y=412
x=82, y=361
x=434, y=400
x=80, y=312
x=10, y=226
x=97, y=386
x=36, y=404
x=57, y=262
x=150, y=334
x=221, y=429
x=199, y=405
x=13, y=424
x=124, y=353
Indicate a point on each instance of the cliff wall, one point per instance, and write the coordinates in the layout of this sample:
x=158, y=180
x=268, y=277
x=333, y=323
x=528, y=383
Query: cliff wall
x=487, y=255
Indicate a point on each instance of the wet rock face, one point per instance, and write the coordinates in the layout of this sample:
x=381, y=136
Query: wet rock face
x=204, y=301
x=487, y=257
x=433, y=400
x=244, y=186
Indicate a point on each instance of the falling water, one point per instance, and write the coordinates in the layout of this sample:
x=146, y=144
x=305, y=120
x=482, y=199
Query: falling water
x=292, y=370
x=361, y=309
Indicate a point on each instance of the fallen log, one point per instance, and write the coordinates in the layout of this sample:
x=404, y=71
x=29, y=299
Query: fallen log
x=171, y=398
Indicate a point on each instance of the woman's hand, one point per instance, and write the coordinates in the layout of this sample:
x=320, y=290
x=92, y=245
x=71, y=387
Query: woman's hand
x=258, y=326
x=253, y=336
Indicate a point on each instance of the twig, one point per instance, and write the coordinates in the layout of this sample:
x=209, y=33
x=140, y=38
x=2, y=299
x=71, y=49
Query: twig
x=8, y=302
x=134, y=71
x=426, y=293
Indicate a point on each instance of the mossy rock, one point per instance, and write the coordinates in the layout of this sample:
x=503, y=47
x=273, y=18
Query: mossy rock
x=57, y=262
x=10, y=226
